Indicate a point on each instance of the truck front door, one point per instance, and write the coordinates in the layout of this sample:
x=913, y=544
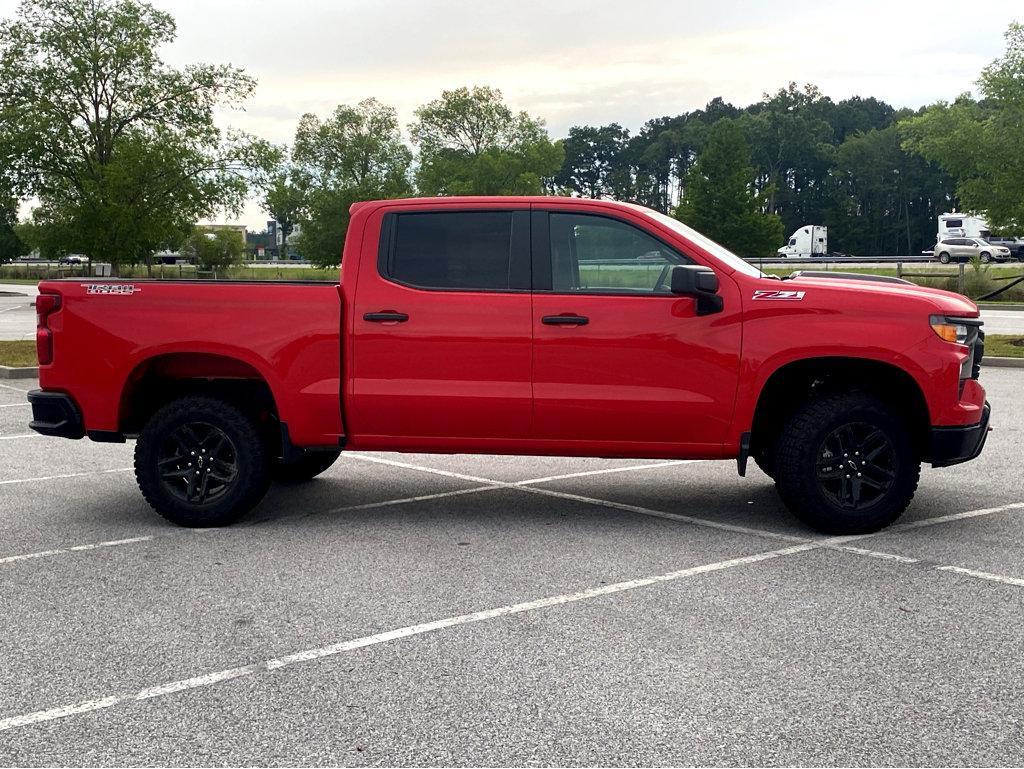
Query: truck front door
x=442, y=331
x=619, y=360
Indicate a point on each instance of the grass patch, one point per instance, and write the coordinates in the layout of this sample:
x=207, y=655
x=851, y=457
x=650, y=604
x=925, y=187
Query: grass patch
x=1004, y=346
x=18, y=353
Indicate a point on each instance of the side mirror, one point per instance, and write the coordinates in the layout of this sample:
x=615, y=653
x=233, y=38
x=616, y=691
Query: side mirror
x=700, y=283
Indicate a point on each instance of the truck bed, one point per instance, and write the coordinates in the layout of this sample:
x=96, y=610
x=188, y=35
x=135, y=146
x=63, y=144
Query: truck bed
x=109, y=334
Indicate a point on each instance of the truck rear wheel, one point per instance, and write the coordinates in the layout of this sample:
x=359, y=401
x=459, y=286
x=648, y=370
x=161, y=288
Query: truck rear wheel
x=845, y=464
x=305, y=468
x=200, y=461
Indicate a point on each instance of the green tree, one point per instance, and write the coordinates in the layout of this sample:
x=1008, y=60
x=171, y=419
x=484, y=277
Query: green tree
x=886, y=200
x=214, y=249
x=720, y=201
x=120, y=149
x=471, y=143
x=594, y=164
x=11, y=245
x=356, y=154
x=792, y=151
x=285, y=201
x=982, y=143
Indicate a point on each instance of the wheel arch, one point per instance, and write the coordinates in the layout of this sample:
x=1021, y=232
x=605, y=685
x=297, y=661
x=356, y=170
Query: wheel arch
x=798, y=380
x=163, y=377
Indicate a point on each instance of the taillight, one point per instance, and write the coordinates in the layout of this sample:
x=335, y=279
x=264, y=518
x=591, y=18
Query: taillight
x=46, y=305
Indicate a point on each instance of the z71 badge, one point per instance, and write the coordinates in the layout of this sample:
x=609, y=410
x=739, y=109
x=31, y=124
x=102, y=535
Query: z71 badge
x=110, y=288
x=779, y=296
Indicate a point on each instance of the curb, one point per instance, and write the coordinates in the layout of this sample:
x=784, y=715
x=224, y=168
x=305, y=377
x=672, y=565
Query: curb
x=999, y=306
x=19, y=372
x=1003, y=362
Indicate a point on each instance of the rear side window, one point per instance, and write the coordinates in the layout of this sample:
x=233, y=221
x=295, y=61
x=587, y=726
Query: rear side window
x=458, y=250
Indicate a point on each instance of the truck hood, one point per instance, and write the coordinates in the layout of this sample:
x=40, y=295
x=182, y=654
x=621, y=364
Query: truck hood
x=871, y=286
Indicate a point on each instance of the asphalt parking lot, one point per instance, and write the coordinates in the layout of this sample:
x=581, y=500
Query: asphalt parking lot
x=408, y=609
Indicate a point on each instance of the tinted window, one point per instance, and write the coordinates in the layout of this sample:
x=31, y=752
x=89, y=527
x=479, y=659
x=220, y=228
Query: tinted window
x=593, y=253
x=950, y=223
x=468, y=250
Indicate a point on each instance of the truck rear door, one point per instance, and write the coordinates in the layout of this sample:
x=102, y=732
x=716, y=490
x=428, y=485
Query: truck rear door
x=618, y=359
x=442, y=329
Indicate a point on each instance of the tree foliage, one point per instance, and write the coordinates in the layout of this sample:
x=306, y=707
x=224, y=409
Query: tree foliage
x=720, y=201
x=356, y=154
x=214, y=249
x=119, y=148
x=285, y=201
x=11, y=244
x=471, y=143
x=982, y=143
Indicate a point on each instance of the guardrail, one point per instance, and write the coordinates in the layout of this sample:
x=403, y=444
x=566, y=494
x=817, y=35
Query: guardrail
x=897, y=261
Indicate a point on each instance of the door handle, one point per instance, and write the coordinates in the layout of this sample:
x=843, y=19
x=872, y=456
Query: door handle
x=386, y=317
x=565, y=320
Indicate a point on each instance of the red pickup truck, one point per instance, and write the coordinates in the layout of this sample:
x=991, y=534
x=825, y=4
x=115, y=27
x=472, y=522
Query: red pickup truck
x=519, y=325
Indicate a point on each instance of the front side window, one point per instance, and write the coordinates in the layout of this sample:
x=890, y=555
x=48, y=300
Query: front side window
x=458, y=250
x=598, y=254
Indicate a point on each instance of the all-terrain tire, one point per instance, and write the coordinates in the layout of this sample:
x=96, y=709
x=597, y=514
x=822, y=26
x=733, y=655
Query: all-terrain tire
x=242, y=469
x=808, y=466
x=305, y=468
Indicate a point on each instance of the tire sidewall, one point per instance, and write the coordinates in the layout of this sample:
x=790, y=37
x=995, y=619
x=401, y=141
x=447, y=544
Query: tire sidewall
x=796, y=468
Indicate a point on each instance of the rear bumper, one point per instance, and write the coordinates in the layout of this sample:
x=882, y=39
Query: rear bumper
x=55, y=414
x=953, y=445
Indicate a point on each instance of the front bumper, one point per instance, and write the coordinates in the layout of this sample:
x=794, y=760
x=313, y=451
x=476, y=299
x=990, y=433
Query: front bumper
x=55, y=414
x=953, y=445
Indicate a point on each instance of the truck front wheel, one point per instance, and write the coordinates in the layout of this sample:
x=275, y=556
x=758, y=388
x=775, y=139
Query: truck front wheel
x=845, y=464
x=201, y=461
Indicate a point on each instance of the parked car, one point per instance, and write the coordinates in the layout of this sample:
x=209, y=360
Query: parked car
x=483, y=325
x=73, y=259
x=1016, y=245
x=964, y=249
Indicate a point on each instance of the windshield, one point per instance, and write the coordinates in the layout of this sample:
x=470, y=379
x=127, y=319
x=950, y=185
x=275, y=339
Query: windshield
x=719, y=252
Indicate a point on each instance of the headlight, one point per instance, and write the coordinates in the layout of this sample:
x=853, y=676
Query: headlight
x=949, y=329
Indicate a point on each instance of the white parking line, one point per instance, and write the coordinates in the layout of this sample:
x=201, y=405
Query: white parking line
x=65, y=475
x=19, y=437
x=73, y=549
x=14, y=405
x=16, y=389
x=982, y=575
x=342, y=647
x=831, y=544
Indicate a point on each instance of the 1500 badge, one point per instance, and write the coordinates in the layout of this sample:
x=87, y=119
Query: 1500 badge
x=110, y=288
x=779, y=296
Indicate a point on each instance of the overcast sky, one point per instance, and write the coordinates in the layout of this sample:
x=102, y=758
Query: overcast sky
x=573, y=62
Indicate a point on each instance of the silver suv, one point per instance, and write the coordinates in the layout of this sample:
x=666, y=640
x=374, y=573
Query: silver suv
x=964, y=249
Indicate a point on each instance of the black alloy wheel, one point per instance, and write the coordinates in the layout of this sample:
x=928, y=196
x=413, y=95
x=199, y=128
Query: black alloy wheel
x=198, y=463
x=857, y=464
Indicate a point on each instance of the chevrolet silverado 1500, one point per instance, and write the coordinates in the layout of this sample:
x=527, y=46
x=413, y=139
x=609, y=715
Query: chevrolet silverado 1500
x=525, y=325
